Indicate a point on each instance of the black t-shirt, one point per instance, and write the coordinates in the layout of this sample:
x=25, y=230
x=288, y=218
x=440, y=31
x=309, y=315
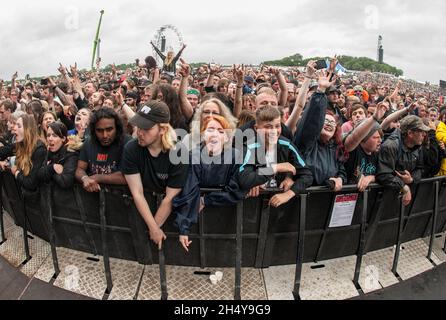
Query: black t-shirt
x=157, y=173
x=103, y=160
x=360, y=163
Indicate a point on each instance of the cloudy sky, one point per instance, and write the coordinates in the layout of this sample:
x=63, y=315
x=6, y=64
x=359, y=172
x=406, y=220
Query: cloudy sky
x=36, y=35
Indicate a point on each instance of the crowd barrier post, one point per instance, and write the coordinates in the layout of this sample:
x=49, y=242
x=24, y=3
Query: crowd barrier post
x=434, y=220
x=105, y=253
x=410, y=210
x=49, y=199
x=25, y=227
x=2, y=227
x=263, y=233
x=443, y=184
x=202, y=241
x=162, y=260
x=83, y=216
x=300, y=245
x=374, y=221
x=238, y=257
x=327, y=224
x=359, y=256
x=399, y=236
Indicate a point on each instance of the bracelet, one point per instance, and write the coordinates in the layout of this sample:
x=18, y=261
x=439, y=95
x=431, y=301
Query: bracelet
x=239, y=86
x=84, y=177
x=374, y=118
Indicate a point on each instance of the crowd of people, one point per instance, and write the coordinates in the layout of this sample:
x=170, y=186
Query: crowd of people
x=174, y=129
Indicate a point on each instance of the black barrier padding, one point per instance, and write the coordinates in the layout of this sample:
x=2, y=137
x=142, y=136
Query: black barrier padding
x=69, y=227
x=71, y=236
x=219, y=220
x=319, y=206
x=248, y=252
x=285, y=251
x=119, y=232
x=382, y=227
x=418, y=218
x=282, y=220
x=6, y=205
x=340, y=243
x=390, y=205
x=251, y=216
x=90, y=202
x=14, y=198
x=220, y=253
x=128, y=237
x=176, y=255
x=64, y=204
x=385, y=235
x=416, y=226
x=424, y=198
x=37, y=218
x=120, y=242
x=311, y=246
x=441, y=218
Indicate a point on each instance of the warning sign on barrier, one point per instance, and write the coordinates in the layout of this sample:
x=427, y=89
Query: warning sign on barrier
x=343, y=210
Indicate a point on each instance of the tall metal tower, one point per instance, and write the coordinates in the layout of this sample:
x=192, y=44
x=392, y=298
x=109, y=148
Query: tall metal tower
x=380, y=54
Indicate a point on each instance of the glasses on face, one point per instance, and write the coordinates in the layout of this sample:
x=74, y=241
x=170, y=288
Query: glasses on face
x=211, y=112
x=330, y=123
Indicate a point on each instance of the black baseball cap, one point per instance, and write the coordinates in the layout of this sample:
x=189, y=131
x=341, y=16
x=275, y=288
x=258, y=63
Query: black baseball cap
x=151, y=113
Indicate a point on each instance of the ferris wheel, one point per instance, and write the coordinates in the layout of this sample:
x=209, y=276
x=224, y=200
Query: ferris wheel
x=167, y=38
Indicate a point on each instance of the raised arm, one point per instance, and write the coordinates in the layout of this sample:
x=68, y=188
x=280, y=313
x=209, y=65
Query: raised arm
x=360, y=132
x=162, y=56
x=395, y=92
x=301, y=97
x=77, y=87
x=64, y=73
x=283, y=97
x=395, y=116
x=14, y=77
x=60, y=94
x=129, y=113
x=114, y=72
x=186, y=107
x=239, y=74
x=2, y=88
x=179, y=53
x=310, y=126
x=213, y=70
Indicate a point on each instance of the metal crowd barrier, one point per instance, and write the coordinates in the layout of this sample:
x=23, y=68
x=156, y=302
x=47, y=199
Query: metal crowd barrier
x=251, y=234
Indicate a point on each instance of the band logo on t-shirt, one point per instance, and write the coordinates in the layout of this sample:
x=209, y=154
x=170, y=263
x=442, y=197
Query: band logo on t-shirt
x=102, y=157
x=162, y=176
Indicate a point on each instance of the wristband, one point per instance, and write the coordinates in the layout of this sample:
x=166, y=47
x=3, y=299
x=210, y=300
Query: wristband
x=84, y=177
